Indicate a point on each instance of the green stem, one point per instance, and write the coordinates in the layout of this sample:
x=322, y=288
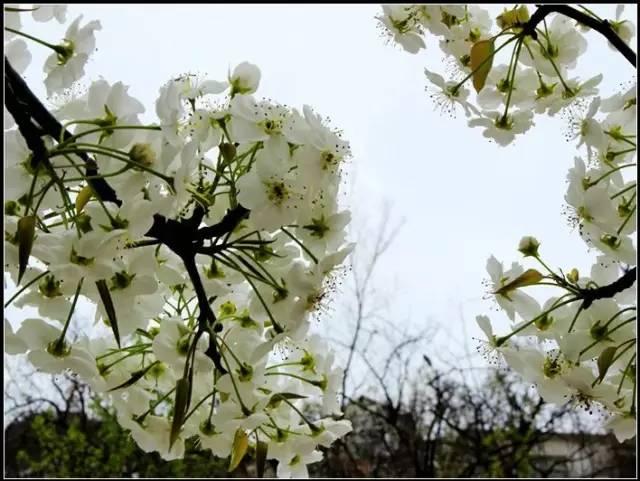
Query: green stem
x=72, y=138
x=275, y=325
x=60, y=341
x=513, y=67
x=295, y=376
x=489, y=58
x=597, y=341
x=626, y=189
x=624, y=373
x=608, y=173
x=302, y=416
x=35, y=39
x=22, y=289
x=304, y=248
x=626, y=220
x=555, y=68
x=141, y=417
x=128, y=348
x=245, y=411
x=501, y=340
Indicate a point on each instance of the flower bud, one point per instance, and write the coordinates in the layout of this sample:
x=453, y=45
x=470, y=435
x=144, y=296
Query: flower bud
x=513, y=18
x=245, y=79
x=11, y=207
x=529, y=246
x=142, y=154
x=573, y=275
x=228, y=152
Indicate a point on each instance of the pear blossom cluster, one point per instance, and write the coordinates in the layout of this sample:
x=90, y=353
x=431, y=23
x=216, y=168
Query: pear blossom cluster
x=577, y=345
x=208, y=242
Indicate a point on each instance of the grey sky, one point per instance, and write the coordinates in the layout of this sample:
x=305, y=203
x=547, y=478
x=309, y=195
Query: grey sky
x=463, y=198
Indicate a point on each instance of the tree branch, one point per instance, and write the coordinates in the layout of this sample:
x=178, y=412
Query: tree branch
x=590, y=295
x=33, y=108
x=602, y=27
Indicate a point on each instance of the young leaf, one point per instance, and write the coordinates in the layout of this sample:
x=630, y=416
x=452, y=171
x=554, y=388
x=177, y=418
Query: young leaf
x=105, y=295
x=605, y=360
x=481, y=61
x=135, y=377
x=239, y=449
x=529, y=277
x=83, y=197
x=261, y=458
x=180, y=409
x=26, y=233
x=279, y=397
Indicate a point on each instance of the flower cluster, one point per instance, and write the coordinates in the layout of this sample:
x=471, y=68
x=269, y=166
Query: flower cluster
x=580, y=343
x=207, y=241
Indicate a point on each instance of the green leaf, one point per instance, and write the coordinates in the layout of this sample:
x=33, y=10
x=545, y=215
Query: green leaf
x=26, y=233
x=529, y=277
x=105, y=295
x=180, y=409
x=228, y=152
x=135, y=377
x=144, y=333
x=239, y=449
x=279, y=397
x=481, y=51
x=83, y=197
x=261, y=458
x=605, y=360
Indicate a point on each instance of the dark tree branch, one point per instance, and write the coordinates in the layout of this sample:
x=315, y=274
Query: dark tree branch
x=602, y=27
x=181, y=236
x=590, y=295
x=33, y=108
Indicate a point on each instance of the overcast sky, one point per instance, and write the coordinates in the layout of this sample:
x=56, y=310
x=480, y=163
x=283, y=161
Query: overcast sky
x=462, y=197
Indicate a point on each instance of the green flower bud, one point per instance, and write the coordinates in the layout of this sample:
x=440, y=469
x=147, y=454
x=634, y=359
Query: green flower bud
x=573, y=275
x=11, y=207
x=529, y=246
x=142, y=154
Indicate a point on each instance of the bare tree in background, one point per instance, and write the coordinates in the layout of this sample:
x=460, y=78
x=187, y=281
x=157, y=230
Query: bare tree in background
x=434, y=415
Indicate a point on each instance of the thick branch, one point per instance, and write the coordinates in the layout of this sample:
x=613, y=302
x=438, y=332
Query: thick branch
x=602, y=27
x=228, y=223
x=610, y=290
x=181, y=236
x=51, y=126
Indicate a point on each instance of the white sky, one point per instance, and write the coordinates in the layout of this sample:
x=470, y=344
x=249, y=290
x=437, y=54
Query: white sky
x=462, y=197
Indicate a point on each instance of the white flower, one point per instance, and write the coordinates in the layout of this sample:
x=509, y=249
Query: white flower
x=171, y=346
x=497, y=88
x=588, y=129
x=623, y=426
x=13, y=344
x=401, y=22
x=44, y=13
x=18, y=55
x=576, y=93
x=271, y=192
x=447, y=95
x=513, y=300
x=109, y=104
x=245, y=79
x=562, y=45
x=609, y=242
x=253, y=121
x=11, y=20
x=503, y=129
x=50, y=296
x=66, y=65
x=49, y=356
x=625, y=29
